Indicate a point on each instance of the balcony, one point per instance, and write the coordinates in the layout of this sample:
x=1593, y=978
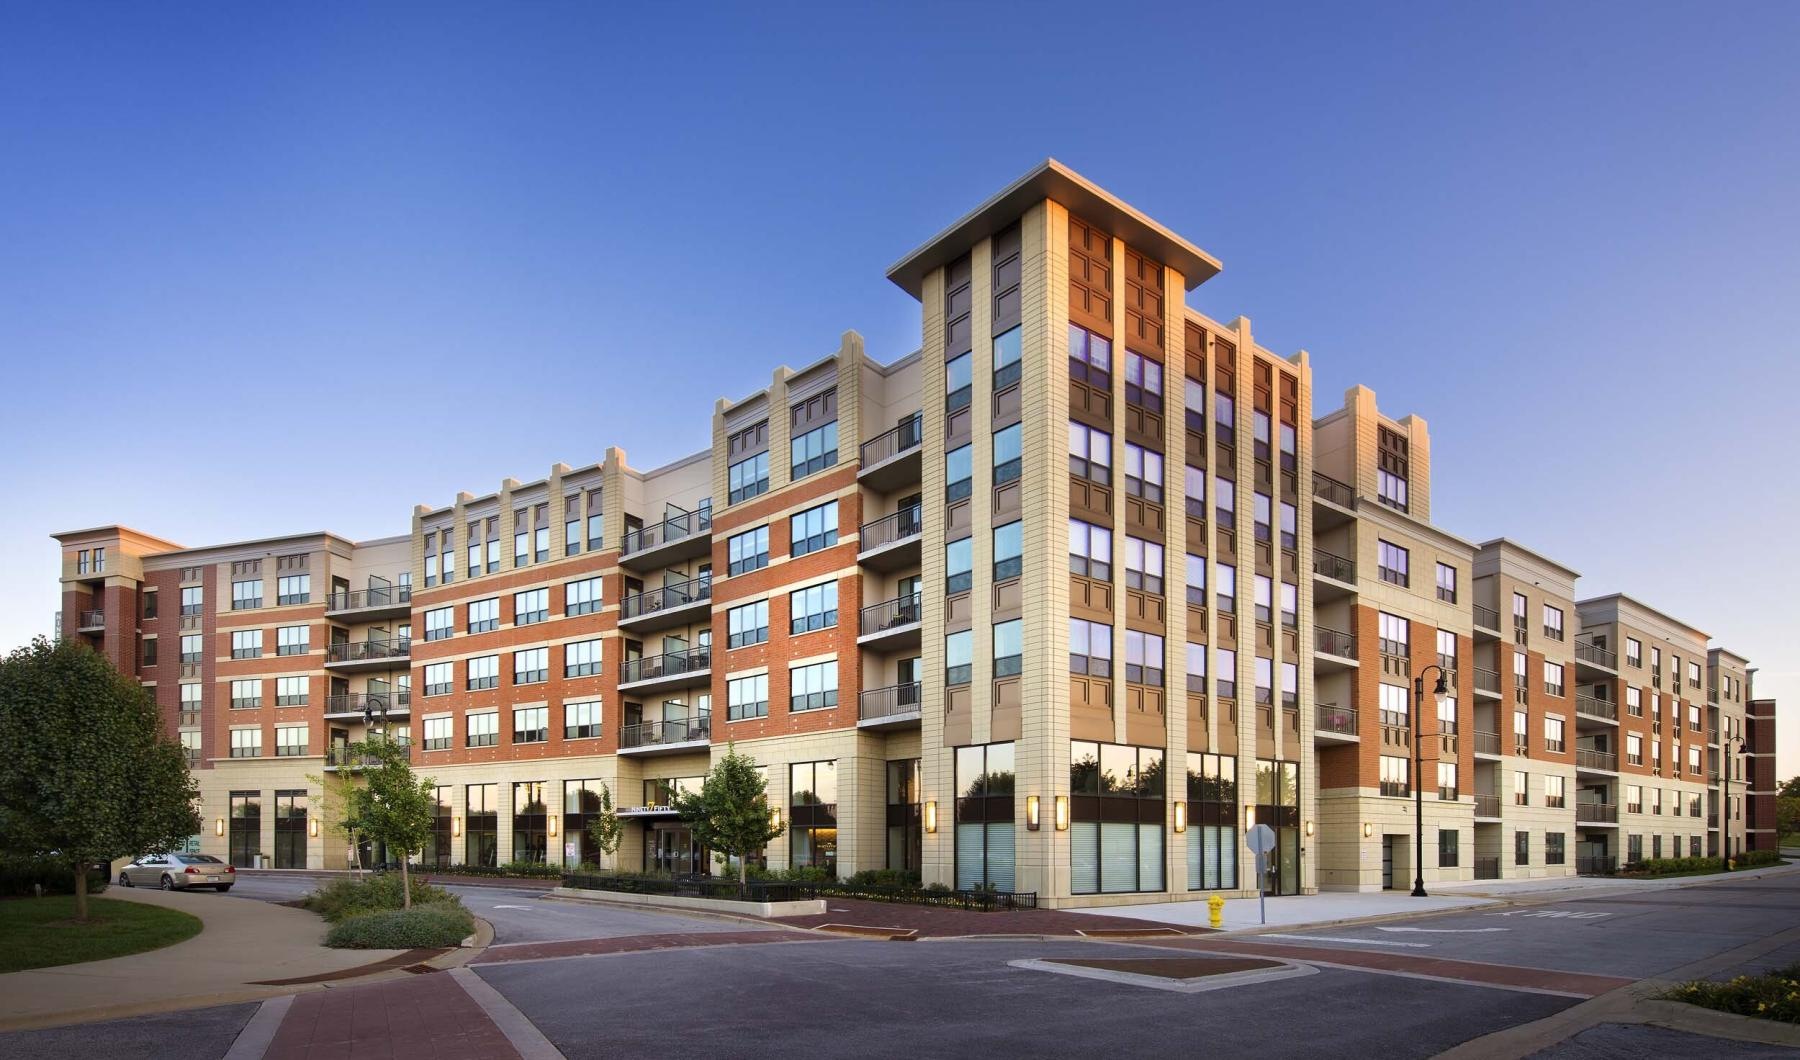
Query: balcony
x=385, y=601
x=91, y=621
x=893, y=707
x=1592, y=761
x=354, y=705
x=681, y=603
x=675, y=669
x=1334, y=650
x=891, y=542
x=1487, y=743
x=1487, y=620
x=1588, y=707
x=1334, y=502
x=352, y=656
x=1597, y=812
x=1487, y=806
x=891, y=625
x=1487, y=682
x=892, y=459
x=647, y=739
x=340, y=756
x=1333, y=724
x=681, y=536
x=1592, y=656
x=1338, y=575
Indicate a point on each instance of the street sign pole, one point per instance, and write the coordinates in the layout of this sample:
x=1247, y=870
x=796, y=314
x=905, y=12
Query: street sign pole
x=1261, y=839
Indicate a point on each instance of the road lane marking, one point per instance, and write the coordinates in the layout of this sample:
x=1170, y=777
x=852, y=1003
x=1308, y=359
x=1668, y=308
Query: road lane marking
x=526, y=908
x=1445, y=931
x=1360, y=942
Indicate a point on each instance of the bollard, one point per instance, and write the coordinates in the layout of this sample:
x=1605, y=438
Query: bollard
x=1215, y=910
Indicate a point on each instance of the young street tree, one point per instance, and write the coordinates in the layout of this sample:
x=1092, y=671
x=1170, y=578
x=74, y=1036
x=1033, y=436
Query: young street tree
x=86, y=772
x=730, y=813
x=392, y=806
x=606, y=829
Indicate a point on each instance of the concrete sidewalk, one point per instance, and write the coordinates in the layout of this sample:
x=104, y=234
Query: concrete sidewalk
x=244, y=942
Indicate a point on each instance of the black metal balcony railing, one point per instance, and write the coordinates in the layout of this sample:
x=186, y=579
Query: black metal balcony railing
x=1596, y=708
x=1487, y=743
x=888, y=529
x=1597, y=812
x=92, y=619
x=1331, y=566
x=674, y=528
x=1487, y=680
x=895, y=440
x=889, y=701
x=655, y=733
x=342, y=757
x=1328, y=718
x=386, y=596
x=1589, y=652
x=668, y=664
x=1487, y=805
x=1487, y=618
x=1334, y=642
x=1605, y=866
x=368, y=650
x=1338, y=493
x=1487, y=868
x=681, y=594
x=368, y=702
x=889, y=614
x=1596, y=759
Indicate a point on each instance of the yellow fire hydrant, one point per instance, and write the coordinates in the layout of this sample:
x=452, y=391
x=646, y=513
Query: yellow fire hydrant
x=1215, y=910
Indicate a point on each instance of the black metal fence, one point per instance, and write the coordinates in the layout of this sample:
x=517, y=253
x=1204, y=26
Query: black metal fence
x=726, y=888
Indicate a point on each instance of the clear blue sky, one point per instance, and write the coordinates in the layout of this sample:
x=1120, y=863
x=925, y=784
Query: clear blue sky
x=264, y=271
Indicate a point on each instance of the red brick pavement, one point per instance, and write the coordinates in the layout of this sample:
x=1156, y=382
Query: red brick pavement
x=534, y=951
x=421, y=1017
x=937, y=922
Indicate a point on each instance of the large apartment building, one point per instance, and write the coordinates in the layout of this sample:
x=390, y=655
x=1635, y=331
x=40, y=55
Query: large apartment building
x=1063, y=601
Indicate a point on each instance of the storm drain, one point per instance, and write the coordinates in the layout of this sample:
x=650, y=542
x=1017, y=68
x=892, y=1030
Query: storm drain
x=1183, y=975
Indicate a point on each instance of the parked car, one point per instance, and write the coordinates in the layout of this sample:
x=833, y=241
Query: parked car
x=178, y=872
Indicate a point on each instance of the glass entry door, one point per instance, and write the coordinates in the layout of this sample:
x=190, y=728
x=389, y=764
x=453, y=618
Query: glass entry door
x=672, y=849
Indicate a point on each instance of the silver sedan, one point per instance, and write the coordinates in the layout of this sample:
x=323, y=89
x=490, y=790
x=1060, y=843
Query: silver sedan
x=178, y=872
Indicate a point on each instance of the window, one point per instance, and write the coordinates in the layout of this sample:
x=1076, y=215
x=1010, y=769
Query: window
x=150, y=604
x=812, y=813
x=1090, y=550
x=1518, y=610
x=1521, y=788
x=1090, y=648
x=293, y=640
x=245, y=644
x=192, y=648
x=531, y=666
x=439, y=733
x=1395, y=776
x=1195, y=570
x=959, y=560
x=1521, y=848
x=1446, y=583
x=581, y=659
x=1553, y=848
x=1226, y=594
x=1009, y=547
x=1006, y=358
x=149, y=651
x=1225, y=667
x=1225, y=415
x=1143, y=565
x=1553, y=679
x=531, y=606
x=1290, y=526
x=748, y=478
x=1446, y=781
x=246, y=743
x=581, y=721
x=1259, y=515
x=959, y=381
x=293, y=589
x=245, y=695
x=1396, y=713
x=1521, y=727
x=984, y=816
x=1693, y=674
x=521, y=538
x=484, y=672
x=1634, y=651
x=1554, y=792
x=1553, y=735
x=291, y=691
x=1090, y=453
x=959, y=472
x=1116, y=815
x=290, y=741
x=815, y=450
x=1143, y=381
x=1196, y=668
x=1446, y=713
x=959, y=657
x=439, y=677
x=748, y=551
x=531, y=725
x=1446, y=649
x=1553, y=622
x=1390, y=489
x=1447, y=846
x=484, y=615
x=747, y=624
x=813, y=687
x=1143, y=658
x=1090, y=358
x=1393, y=563
x=1007, y=456
x=246, y=594
x=1144, y=473
x=1290, y=605
x=1634, y=702
x=439, y=622
x=1193, y=485
x=1009, y=647
x=747, y=697
x=813, y=608
x=1693, y=718
x=813, y=529
x=483, y=730
x=1225, y=503
x=192, y=599
x=1395, y=634
x=582, y=597
x=1262, y=597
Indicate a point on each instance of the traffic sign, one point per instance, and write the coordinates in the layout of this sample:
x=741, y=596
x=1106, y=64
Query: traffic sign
x=1260, y=839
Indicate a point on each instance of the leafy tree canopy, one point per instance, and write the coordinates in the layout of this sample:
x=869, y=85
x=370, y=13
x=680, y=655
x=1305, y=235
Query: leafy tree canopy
x=730, y=813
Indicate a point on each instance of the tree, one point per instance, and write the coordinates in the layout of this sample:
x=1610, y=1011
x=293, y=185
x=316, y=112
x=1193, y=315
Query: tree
x=1792, y=788
x=337, y=798
x=730, y=812
x=87, y=773
x=606, y=830
x=392, y=806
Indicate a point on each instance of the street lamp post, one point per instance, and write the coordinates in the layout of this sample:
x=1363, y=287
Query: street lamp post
x=1441, y=692
x=1725, y=799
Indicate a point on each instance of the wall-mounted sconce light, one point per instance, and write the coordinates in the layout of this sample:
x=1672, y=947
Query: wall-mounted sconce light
x=1031, y=812
x=775, y=816
x=219, y=826
x=931, y=816
x=1249, y=817
x=1062, y=813
x=1368, y=829
x=1180, y=816
x=456, y=826
x=1309, y=829
x=312, y=828
x=551, y=821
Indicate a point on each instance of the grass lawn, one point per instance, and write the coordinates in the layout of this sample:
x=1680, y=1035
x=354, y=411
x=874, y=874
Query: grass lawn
x=39, y=932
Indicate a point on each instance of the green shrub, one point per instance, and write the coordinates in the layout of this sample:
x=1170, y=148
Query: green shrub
x=884, y=878
x=344, y=898
x=1775, y=996
x=434, y=924
x=21, y=878
x=1751, y=859
x=1669, y=866
x=536, y=870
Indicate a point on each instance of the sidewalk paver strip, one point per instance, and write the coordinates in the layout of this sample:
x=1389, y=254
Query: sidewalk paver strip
x=416, y=1016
